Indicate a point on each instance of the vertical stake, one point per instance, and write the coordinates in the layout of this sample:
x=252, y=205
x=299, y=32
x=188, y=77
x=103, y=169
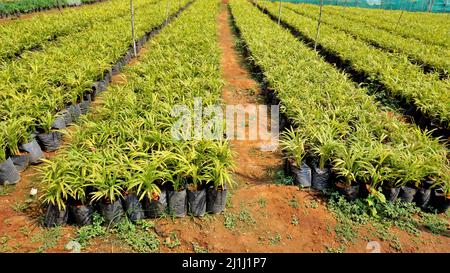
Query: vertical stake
x=318, y=24
x=167, y=11
x=132, y=28
x=398, y=21
x=279, y=13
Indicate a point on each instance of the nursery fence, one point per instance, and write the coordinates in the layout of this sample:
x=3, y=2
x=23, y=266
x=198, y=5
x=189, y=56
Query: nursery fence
x=407, y=5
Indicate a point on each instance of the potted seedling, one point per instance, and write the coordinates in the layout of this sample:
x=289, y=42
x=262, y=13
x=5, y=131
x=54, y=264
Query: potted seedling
x=80, y=210
x=56, y=195
x=49, y=137
x=220, y=178
x=74, y=108
x=8, y=172
x=32, y=148
x=149, y=186
x=176, y=196
x=145, y=186
x=440, y=195
x=108, y=192
x=431, y=171
x=323, y=148
x=412, y=174
x=348, y=166
x=391, y=179
x=293, y=145
x=85, y=103
x=192, y=167
x=423, y=195
x=15, y=133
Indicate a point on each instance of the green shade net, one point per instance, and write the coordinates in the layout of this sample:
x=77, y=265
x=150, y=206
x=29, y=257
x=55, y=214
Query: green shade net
x=408, y=5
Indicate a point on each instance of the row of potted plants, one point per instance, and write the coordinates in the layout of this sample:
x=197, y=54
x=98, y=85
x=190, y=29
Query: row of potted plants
x=18, y=7
x=19, y=36
x=431, y=28
x=400, y=78
x=43, y=90
x=339, y=131
x=417, y=51
x=126, y=150
x=167, y=202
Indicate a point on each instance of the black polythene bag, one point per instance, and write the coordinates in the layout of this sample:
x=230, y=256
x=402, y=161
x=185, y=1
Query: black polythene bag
x=21, y=162
x=55, y=217
x=391, y=194
x=116, y=68
x=67, y=116
x=112, y=212
x=103, y=85
x=407, y=194
x=133, y=207
x=95, y=91
x=8, y=173
x=156, y=207
x=422, y=198
x=350, y=192
x=320, y=177
x=216, y=200
x=302, y=175
x=84, y=107
x=81, y=214
x=439, y=201
x=50, y=141
x=177, y=202
x=34, y=151
x=197, y=202
x=59, y=123
x=75, y=111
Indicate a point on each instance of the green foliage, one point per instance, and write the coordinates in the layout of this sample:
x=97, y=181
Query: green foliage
x=275, y=240
x=246, y=217
x=34, y=86
x=293, y=145
x=229, y=220
x=436, y=224
x=293, y=203
x=262, y=202
x=401, y=77
x=367, y=28
x=345, y=233
x=128, y=146
x=199, y=249
x=282, y=179
x=138, y=239
x=340, y=249
x=86, y=233
x=405, y=216
x=337, y=123
x=172, y=241
x=48, y=238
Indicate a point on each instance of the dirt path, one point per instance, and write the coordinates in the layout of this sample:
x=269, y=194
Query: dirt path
x=254, y=166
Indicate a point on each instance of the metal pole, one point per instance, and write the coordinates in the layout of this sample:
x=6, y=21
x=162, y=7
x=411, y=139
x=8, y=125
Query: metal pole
x=279, y=13
x=318, y=24
x=167, y=11
x=398, y=21
x=430, y=7
x=132, y=28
